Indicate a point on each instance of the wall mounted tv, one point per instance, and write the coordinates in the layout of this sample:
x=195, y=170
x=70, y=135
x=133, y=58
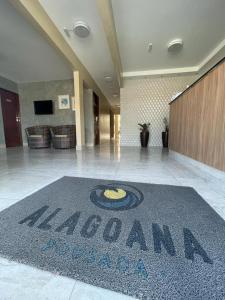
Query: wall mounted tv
x=43, y=107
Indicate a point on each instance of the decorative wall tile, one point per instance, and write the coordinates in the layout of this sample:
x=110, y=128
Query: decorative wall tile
x=146, y=100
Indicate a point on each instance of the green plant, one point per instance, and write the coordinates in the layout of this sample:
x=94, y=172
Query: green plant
x=144, y=126
x=166, y=124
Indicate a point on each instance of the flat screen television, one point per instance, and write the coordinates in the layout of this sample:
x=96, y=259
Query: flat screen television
x=43, y=107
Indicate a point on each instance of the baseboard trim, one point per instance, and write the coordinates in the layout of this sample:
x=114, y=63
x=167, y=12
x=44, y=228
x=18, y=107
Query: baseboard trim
x=195, y=163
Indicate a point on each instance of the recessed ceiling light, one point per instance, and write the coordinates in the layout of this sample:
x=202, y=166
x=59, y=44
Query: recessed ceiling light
x=81, y=29
x=108, y=78
x=175, y=45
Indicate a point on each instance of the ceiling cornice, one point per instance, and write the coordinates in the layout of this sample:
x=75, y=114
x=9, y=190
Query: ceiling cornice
x=215, y=55
x=5, y=76
x=212, y=55
x=187, y=70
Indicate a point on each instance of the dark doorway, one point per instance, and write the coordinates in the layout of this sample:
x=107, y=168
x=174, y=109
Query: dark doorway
x=111, y=124
x=96, y=119
x=11, y=118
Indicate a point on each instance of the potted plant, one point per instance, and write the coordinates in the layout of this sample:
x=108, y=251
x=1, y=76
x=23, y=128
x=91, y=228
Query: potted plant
x=144, y=134
x=165, y=134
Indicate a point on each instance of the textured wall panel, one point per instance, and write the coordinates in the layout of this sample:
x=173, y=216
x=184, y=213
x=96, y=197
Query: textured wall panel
x=46, y=90
x=146, y=100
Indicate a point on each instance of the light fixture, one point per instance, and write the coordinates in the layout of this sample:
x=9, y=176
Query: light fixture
x=175, y=45
x=81, y=29
x=115, y=95
x=108, y=78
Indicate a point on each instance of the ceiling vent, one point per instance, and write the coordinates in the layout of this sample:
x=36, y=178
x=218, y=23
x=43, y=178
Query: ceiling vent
x=81, y=29
x=175, y=45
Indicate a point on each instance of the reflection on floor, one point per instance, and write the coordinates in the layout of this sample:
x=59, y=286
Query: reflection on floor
x=24, y=171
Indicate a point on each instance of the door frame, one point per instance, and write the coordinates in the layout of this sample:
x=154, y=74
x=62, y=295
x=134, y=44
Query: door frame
x=4, y=130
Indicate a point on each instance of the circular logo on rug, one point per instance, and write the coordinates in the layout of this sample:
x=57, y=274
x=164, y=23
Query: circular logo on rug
x=116, y=196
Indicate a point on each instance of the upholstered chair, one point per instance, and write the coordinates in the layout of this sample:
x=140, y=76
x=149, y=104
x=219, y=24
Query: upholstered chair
x=38, y=136
x=63, y=137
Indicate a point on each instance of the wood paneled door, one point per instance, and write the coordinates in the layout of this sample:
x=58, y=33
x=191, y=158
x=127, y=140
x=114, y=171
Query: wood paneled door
x=11, y=118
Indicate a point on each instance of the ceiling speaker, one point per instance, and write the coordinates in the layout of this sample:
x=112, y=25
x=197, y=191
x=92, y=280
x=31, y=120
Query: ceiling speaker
x=81, y=29
x=175, y=45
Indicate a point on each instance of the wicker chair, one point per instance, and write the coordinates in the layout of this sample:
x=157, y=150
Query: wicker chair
x=38, y=136
x=63, y=137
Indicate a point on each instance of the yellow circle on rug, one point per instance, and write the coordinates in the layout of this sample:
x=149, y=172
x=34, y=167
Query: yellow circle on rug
x=115, y=195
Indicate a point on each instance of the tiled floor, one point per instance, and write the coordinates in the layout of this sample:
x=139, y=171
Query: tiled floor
x=24, y=171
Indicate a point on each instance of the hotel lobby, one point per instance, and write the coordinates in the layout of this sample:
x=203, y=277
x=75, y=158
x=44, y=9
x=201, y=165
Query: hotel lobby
x=112, y=150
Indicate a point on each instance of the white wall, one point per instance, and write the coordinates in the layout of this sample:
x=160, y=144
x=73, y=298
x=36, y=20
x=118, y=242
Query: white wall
x=146, y=100
x=8, y=84
x=104, y=120
x=88, y=117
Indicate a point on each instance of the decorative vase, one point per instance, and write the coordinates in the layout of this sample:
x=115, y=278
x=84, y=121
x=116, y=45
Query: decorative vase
x=144, y=137
x=165, y=138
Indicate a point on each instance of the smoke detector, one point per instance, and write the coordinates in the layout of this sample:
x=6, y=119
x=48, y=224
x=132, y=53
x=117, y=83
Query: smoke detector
x=175, y=45
x=81, y=29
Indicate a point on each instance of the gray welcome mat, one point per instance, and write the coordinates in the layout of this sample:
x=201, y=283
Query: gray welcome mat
x=147, y=241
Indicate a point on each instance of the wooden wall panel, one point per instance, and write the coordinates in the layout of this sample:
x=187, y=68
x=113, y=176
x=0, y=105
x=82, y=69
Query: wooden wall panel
x=197, y=120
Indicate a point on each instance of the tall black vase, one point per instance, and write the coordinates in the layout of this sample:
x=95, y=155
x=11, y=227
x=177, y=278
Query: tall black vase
x=144, y=137
x=165, y=139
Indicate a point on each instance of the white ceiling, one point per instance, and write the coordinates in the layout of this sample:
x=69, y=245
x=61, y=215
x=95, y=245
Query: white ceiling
x=25, y=56
x=200, y=23
x=93, y=51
